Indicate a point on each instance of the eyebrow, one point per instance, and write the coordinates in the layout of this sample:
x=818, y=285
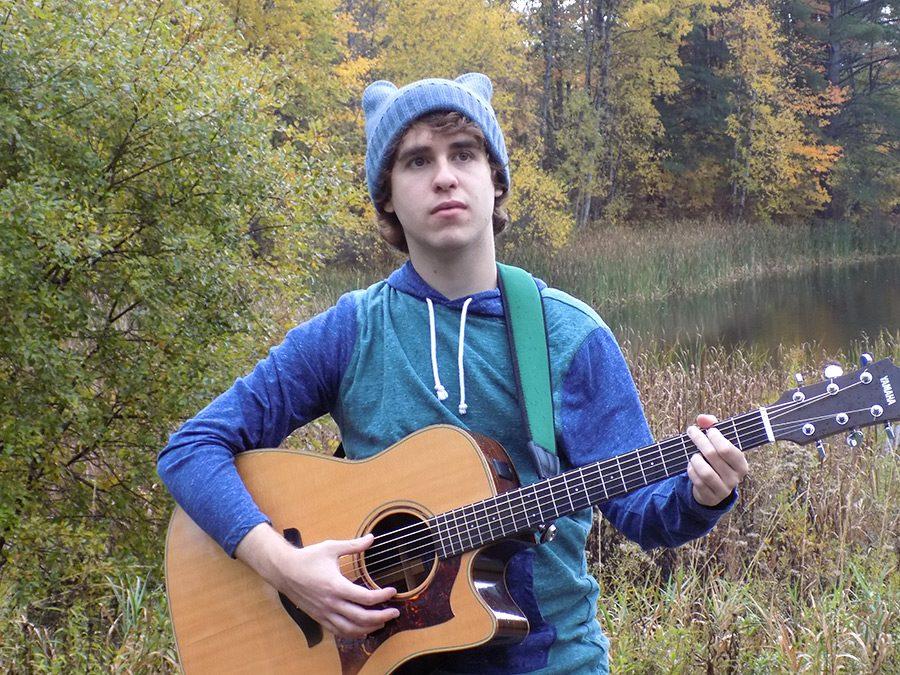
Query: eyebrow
x=463, y=144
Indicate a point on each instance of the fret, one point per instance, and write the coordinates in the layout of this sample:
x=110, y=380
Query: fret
x=437, y=527
x=737, y=438
x=626, y=471
x=501, y=518
x=652, y=464
x=602, y=483
x=523, y=508
x=500, y=522
x=537, y=510
x=516, y=510
x=587, y=493
x=535, y=507
x=552, y=488
x=488, y=521
x=467, y=528
x=515, y=527
x=663, y=460
x=641, y=465
x=621, y=474
x=568, y=493
x=460, y=548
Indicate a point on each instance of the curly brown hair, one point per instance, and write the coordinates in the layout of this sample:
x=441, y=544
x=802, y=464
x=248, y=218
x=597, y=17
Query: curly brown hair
x=445, y=124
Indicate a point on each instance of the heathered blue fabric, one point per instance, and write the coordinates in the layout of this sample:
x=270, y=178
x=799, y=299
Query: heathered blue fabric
x=367, y=361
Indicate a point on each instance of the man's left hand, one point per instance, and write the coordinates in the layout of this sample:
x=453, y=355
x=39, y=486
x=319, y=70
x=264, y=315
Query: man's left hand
x=719, y=466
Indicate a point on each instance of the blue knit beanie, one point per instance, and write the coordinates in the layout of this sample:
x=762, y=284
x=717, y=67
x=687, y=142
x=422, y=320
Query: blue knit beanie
x=390, y=112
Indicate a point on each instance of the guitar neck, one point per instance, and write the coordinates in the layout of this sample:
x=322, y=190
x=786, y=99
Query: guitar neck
x=470, y=527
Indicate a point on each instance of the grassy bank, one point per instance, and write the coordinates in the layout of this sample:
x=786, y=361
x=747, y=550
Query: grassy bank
x=627, y=264
x=801, y=576
x=620, y=264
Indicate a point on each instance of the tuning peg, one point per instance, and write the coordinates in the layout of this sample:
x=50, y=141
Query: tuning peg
x=865, y=359
x=889, y=430
x=854, y=438
x=832, y=371
x=820, y=446
x=799, y=396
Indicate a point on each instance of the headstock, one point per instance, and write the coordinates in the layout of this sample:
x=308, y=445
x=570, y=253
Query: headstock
x=839, y=404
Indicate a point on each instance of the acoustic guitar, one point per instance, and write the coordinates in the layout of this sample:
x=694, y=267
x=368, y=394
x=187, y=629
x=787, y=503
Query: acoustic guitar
x=447, y=513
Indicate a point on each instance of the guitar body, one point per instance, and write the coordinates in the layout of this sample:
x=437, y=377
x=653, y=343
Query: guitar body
x=227, y=619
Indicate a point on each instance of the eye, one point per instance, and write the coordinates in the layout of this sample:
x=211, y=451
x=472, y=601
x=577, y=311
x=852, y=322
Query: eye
x=465, y=155
x=417, y=161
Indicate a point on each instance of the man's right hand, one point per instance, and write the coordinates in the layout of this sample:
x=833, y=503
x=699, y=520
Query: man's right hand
x=310, y=577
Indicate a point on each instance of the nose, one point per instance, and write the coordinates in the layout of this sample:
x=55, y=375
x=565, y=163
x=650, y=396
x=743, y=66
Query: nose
x=445, y=177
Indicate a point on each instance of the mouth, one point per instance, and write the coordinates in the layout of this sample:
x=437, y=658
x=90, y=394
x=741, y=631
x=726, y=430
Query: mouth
x=448, y=206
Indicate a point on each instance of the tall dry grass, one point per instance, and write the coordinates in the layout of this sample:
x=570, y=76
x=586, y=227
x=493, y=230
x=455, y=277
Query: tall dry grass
x=801, y=576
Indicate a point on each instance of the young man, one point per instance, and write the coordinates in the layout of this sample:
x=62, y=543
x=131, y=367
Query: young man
x=428, y=345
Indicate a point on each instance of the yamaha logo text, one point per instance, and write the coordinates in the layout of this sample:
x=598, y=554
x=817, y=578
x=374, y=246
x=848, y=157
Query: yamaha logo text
x=888, y=390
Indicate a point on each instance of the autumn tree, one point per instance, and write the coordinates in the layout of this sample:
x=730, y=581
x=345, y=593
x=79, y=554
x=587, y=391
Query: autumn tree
x=137, y=151
x=777, y=168
x=852, y=49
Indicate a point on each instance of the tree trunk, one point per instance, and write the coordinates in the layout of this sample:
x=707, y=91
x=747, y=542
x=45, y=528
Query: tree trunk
x=550, y=18
x=834, y=44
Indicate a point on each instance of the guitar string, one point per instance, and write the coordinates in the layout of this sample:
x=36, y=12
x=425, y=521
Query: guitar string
x=381, y=574
x=480, y=509
x=379, y=571
x=664, y=447
x=536, y=498
x=669, y=448
x=480, y=515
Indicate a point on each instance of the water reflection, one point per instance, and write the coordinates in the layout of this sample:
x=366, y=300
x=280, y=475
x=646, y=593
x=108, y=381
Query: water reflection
x=831, y=306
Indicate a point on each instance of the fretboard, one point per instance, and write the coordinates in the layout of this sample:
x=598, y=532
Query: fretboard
x=528, y=507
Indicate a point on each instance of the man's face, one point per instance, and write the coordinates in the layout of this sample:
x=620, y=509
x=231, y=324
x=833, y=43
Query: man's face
x=441, y=192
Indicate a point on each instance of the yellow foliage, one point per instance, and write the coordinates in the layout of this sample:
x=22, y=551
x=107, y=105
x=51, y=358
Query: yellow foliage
x=779, y=167
x=538, y=206
x=424, y=38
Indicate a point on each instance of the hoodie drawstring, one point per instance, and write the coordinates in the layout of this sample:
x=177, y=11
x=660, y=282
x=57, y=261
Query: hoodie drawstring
x=459, y=358
x=438, y=387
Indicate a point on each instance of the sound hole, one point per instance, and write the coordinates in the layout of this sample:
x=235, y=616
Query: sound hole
x=403, y=553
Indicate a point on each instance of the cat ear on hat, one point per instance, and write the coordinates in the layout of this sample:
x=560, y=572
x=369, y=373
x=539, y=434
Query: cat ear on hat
x=376, y=94
x=479, y=83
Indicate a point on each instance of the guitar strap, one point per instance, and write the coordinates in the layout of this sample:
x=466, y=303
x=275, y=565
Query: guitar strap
x=527, y=336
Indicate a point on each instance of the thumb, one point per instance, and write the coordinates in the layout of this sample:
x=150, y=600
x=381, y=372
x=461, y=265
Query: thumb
x=354, y=545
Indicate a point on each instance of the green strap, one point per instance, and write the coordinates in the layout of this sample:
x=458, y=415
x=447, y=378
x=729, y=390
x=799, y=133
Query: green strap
x=531, y=362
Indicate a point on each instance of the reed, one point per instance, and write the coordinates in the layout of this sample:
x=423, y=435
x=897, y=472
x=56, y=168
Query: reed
x=619, y=264
x=800, y=576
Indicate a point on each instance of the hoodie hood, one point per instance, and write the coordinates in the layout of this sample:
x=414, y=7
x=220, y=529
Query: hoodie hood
x=486, y=303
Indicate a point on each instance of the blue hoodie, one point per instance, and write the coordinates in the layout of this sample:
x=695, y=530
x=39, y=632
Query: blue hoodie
x=384, y=362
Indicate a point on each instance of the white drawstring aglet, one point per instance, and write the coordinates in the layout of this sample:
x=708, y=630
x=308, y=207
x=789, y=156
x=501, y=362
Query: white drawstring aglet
x=441, y=392
x=462, y=408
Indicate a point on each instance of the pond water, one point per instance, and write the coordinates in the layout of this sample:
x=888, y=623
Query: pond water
x=829, y=306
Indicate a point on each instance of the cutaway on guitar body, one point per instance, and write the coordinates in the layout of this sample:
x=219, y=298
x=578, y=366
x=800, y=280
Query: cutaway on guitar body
x=227, y=619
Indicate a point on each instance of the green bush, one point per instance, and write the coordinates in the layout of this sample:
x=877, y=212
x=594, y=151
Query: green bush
x=147, y=227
